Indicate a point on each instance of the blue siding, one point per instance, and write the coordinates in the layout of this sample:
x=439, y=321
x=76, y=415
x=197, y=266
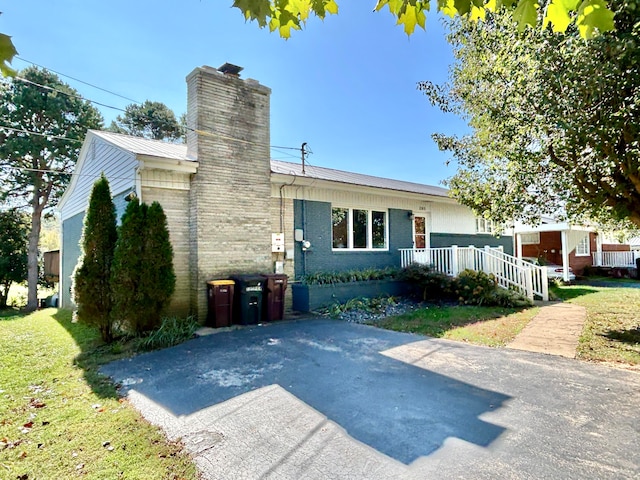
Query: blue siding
x=439, y=240
x=314, y=218
x=71, y=234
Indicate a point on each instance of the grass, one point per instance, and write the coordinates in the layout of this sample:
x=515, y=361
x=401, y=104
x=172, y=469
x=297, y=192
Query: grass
x=612, y=329
x=60, y=419
x=491, y=326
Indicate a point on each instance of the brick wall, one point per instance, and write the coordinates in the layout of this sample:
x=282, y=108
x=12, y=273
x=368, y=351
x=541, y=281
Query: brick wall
x=615, y=247
x=230, y=225
x=550, y=248
x=175, y=203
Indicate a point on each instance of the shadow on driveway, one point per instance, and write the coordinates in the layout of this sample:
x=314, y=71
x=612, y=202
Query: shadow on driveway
x=339, y=369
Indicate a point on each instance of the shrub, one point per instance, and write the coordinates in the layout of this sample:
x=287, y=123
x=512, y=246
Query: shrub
x=473, y=287
x=91, y=279
x=433, y=285
x=330, y=278
x=143, y=278
x=172, y=331
x=479, y=288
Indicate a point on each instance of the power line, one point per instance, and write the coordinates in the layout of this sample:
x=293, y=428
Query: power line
x=78, y=80
x=68, y=94
x=29, y=132
x=198, y=131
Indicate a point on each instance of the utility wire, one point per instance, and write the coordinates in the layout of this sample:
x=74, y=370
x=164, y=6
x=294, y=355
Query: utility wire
x=211, y=133
x=78, y=80
x=57, y=137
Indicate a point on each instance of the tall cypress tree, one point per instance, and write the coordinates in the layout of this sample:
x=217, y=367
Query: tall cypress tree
x=91, y=286
x=158, y=276
x=125, y=275
x=143, y=278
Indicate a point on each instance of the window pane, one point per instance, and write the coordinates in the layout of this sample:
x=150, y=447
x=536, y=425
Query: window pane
x=378, y=230
x=360, y=228
x=340, y=227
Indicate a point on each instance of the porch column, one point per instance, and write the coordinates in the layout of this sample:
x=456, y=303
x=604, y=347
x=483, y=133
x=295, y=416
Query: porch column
x=598, y=259
x=565, y=256
x=519, y=245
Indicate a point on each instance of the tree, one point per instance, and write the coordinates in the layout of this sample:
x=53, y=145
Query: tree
x=42, y=125
x=554, y=120
x=143, y=278
x=590, y=16
x=159, y=279
x=13, y=251
x=150, y=120
x=284, y=15
x=92, y=277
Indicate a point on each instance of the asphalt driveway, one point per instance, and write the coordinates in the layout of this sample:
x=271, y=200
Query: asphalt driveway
x=328, y=399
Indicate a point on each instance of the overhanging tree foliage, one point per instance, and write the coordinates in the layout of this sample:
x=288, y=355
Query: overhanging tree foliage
x=554, y=120
x=286, y=15
x=92, y=277
x=143, y=278
x=14, y=231
x=35, y=167
x=149, y=120
x=589, y=16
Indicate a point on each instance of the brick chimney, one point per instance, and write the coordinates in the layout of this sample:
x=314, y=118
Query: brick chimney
x=230, y=229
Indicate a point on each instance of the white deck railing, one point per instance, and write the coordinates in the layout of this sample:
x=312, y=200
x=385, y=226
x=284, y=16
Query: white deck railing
x=510, y=272
x=615, y=259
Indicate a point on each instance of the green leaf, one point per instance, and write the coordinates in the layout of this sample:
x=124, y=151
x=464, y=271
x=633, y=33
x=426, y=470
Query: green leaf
x=593, y=15
x=526, y=13
x=413, y=15
x=7, y=52
x=477, y=13
x=447, y=7
x=462, y=6
x=258, y=10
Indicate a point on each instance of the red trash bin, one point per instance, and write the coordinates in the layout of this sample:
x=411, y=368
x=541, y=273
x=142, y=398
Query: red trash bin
x=220, y=301
x=275, y=287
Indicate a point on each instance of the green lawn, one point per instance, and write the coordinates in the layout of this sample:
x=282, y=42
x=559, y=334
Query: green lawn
x=492, y=326
x=59, y=419
x=612, y=330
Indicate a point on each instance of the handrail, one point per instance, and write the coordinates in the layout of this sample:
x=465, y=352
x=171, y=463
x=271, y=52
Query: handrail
x=509, y=271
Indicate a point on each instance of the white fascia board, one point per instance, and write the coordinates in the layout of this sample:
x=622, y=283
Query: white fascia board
x=552, y=227
x=147, y=162
x=299, y=181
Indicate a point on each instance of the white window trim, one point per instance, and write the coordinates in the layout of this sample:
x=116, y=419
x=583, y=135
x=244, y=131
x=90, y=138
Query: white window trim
x=484, y=226
x=587, y=245
x=536, y=237
x=370, y=211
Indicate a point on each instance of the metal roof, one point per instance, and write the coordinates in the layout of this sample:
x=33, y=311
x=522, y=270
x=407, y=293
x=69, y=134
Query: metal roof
x=161, y=149
x=329, y=174
x=144, y=146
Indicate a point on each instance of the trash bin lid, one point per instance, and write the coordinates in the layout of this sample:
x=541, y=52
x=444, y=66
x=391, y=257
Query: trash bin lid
x=221, y=282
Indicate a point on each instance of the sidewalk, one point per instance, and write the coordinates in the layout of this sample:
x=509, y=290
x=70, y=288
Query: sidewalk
x=555, y=330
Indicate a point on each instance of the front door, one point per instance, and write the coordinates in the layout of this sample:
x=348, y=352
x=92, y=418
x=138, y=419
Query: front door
x=420, y=240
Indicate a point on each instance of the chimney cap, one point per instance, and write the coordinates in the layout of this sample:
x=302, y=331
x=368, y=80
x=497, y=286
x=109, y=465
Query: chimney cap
x=230, y=69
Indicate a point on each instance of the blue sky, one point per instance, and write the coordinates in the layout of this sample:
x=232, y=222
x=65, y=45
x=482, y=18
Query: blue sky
x=346, y=86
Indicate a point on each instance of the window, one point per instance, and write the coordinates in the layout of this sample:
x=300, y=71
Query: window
x=359, y=229
x=484, y=226
x=582, y=249
x=530, y=238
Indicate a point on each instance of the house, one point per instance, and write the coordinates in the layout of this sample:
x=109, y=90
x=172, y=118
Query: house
x=576, y=246
x=230, y=209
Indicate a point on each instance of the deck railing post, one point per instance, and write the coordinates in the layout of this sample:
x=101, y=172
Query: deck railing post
x=454, y=261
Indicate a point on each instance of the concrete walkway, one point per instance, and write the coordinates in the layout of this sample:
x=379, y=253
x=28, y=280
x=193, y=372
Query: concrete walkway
x=555, y=330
